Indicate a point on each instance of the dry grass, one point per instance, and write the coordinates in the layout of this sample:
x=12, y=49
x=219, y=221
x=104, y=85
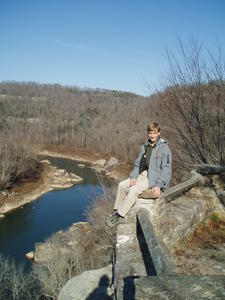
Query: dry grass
x=205, y=236
x=210, y=233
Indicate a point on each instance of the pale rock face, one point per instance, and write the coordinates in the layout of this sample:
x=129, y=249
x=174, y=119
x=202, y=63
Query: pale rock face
x=100, y=163
x=81, y=165
x=30, y=255
x=122, y=239
x=94, y=284
x=63, y=179
x=111, y=164
x=46, y=161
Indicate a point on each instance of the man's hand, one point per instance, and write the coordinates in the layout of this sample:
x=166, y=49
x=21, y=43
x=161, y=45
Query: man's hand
x=132, y=182
x=156, y=191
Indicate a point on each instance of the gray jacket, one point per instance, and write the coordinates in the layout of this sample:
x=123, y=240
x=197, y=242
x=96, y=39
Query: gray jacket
x=160, y=165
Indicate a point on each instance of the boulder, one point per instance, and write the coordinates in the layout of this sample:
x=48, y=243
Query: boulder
x=59, y=186
x=59, y=172
x=111, y=163
x=64, y=180
x=100, y=163
x=81, y=165
x=30, y=255
x=46, y=161
x=93, y=284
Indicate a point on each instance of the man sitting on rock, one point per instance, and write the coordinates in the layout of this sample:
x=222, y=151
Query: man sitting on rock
x=151, y=172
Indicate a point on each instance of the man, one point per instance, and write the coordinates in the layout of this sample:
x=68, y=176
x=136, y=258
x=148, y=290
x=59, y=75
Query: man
x=152, y=170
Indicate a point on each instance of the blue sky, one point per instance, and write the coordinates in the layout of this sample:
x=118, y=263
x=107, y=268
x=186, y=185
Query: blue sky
x=108, y=44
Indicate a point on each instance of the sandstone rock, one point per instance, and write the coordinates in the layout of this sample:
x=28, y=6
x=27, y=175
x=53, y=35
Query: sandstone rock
x=46, y=161
x=94, y=284
x=165, y=223
x=64, y=180
x=176, y=220
x=81, y=165
x=60, y=171
x=100, y=163
x=60, y=186
x=30, y=255
x=111, y=164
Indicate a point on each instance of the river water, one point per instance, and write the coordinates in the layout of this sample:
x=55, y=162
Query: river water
x=55, y=210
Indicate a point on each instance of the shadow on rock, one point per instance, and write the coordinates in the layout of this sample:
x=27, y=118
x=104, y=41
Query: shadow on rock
x=100, y=293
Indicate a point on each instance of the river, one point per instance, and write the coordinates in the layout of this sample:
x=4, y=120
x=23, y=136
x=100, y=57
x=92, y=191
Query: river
x=55, y=210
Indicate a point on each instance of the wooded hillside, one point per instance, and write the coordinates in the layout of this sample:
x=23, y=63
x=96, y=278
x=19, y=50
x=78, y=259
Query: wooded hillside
x=107, y=121
x=191, y=117
x=190, y=109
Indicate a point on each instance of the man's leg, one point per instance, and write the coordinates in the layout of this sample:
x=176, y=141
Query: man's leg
x=134, y=191
x=123, y=188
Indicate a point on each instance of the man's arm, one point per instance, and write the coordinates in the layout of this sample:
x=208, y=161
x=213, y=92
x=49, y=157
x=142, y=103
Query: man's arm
x=134, y=174
x=166, y=169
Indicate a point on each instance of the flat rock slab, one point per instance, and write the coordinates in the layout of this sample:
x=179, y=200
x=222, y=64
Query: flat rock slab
x=129, y=259
x=176, y=288
x=89, y=285
x=132, y=257
x=100, y=163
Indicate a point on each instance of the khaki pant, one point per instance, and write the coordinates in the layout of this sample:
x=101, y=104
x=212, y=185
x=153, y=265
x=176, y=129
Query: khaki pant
x=127, y=196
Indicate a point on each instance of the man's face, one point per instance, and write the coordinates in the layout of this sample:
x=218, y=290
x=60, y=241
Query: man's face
x=153, y=135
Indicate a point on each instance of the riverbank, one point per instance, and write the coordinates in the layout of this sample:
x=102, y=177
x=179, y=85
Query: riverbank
x=51, y=178
x=117, y=170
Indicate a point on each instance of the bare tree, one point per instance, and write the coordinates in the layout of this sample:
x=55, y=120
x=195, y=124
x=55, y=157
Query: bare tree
x=195, y=102
x=15, y=283
x=7, y=166
x=4, y=276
